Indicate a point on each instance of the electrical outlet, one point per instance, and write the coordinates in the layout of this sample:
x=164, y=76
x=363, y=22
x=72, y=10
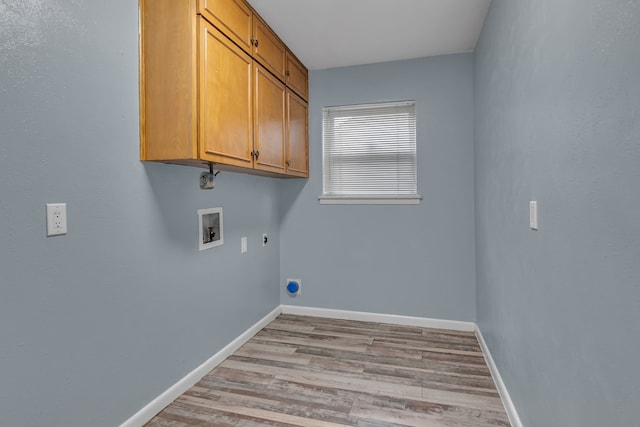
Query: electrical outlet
x=265, y=239
x=56, y=219
x=243, y=245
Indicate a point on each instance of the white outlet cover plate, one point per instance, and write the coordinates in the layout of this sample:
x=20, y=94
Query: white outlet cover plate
x=243, y=245
x=56, y=219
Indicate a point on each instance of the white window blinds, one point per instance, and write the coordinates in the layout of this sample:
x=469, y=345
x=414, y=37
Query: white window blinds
x=369, y=151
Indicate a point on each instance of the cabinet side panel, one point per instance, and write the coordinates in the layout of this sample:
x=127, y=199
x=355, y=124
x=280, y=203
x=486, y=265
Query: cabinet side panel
x=167, y=78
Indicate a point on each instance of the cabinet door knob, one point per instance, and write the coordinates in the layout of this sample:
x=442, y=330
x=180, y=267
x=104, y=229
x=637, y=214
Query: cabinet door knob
x=257, y=154
x=255, y=43
x=288, y=162
x=288, y=73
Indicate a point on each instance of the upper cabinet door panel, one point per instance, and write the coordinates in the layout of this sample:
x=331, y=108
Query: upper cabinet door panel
x=269, y=121
x=233, y=17
x=225, y=99
x=268, y=49
x=297, y=153
x=297, y=76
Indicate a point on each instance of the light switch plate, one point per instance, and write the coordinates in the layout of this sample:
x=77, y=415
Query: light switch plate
x=533, y=215
x=243, y=245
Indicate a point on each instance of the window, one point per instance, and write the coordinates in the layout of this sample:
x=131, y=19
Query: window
x=369, y=154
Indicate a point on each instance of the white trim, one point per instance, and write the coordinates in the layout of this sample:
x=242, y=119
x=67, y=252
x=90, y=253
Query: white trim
x=409, y=200
x=509, y=407
x=172, y=393
x=423, y=322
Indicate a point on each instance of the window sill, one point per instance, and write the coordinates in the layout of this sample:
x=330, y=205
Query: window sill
x=344, y=200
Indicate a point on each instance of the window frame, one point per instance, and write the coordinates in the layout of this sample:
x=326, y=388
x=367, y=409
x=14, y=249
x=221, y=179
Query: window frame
x=380, y=199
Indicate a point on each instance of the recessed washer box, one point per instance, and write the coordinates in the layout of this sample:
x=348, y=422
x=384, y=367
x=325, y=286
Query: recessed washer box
x=210, y=232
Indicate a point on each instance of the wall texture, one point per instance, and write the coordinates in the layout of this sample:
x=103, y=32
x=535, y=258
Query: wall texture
x=557, y=119
x=406, y=260
x=95, y=324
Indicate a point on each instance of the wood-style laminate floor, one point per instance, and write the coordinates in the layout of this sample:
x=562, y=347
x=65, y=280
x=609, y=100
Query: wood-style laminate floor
x=309, y=371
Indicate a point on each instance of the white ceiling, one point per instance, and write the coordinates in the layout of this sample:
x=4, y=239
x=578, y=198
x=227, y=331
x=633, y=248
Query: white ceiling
x=337, y=33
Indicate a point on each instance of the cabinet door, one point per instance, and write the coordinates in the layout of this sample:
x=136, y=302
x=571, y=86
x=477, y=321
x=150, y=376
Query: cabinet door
x=233, y=17
x=225, y=110
x=297, y=76
x=297, y=153
x=268, y=49
x=269, y=116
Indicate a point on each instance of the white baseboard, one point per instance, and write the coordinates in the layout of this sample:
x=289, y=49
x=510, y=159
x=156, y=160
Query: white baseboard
x=514, y=419
x=422, y=322
x=172, y=393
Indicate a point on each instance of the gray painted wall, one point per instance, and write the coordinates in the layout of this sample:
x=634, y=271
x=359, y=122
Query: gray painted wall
x=95, y=324
x=406, y=260
x=557, y=119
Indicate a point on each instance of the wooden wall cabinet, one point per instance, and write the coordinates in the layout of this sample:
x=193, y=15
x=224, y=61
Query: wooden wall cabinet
x=216, y=87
